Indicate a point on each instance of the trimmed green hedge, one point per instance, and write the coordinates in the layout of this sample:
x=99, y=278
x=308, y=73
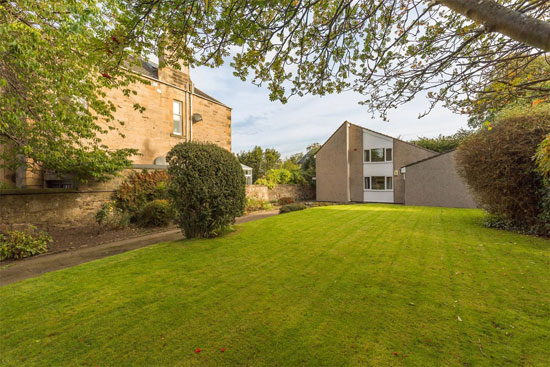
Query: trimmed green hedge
x=292, y=208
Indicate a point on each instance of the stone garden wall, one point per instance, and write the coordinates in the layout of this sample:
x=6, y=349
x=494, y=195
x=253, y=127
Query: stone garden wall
x=48, y=208
x=59, y=208
x=297, y=192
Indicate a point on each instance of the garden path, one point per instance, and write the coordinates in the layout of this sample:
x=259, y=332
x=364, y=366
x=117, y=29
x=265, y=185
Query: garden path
x=34, y=266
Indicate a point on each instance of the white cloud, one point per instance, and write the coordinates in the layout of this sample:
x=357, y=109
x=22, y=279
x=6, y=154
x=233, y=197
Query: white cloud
x=290, y=128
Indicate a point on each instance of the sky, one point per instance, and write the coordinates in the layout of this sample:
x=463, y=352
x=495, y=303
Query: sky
x=291, y=127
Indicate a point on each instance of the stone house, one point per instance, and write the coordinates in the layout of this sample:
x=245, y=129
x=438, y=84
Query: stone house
x=360, y=165
x=176, y=111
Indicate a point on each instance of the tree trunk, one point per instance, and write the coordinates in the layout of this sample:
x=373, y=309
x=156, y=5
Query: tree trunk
x=498, y=18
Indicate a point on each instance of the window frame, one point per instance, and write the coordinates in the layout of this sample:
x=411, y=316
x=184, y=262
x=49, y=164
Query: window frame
x=370, y=188
x=366, y=183
x=372, y=183
x=367, y=155
x=383, y=155
x=180, y=115
x=386, y=154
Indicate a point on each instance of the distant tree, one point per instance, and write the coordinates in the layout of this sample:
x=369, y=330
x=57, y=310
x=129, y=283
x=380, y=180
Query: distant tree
x=253, y=159
x=281, y=176
x=308, y=166
x=443, y=143
x=260, y=160
x=278, y=176
x=293, y=159
x=290, y=165
x=272, y=159
x=295, y=169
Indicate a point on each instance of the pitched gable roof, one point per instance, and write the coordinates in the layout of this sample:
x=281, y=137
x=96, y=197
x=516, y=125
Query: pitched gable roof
x=391, y=137
x=432, y=157
x=375, y=132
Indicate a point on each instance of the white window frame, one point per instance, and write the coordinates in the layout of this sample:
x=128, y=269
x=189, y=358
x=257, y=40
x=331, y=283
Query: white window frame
x=390, y=178
x=248, y=176
x=384, y=152
x=369, y=180
x=174, y=115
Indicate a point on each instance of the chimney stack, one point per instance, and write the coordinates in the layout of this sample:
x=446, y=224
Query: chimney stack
x=169, y=74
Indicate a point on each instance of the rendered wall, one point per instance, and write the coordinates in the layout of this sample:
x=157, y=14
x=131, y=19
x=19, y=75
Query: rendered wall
x=435, y=182
x=404, y=154
x=356, y=163
x=332, y=168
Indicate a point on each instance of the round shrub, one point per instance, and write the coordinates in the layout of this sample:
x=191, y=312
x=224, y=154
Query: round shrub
x=207, y=188
x=156, y=213
x=498, y=165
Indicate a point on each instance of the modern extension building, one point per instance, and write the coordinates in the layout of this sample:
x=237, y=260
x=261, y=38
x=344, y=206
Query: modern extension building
x=360, y=165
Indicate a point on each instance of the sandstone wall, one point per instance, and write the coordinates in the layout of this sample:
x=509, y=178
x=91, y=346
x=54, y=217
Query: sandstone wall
x=49, y=208
x=297, y=192
x=151, y=132
x=259, y=192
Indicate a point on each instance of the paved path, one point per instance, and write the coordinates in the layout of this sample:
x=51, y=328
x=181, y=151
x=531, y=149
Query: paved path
x=34, y=266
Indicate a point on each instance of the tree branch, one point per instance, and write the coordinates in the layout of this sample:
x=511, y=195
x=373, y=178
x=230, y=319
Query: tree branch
x=497, y=18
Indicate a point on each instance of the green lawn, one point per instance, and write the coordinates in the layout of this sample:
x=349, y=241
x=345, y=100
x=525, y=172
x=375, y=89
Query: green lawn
x=364, y=285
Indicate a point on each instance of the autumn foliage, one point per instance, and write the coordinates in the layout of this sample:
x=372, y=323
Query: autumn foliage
x=140, y=188
x=498, y=164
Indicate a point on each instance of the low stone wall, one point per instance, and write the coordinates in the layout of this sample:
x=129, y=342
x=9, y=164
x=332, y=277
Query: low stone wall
x=59, y=208
x=259, y=192
x=48, y=208
x=297, y=192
